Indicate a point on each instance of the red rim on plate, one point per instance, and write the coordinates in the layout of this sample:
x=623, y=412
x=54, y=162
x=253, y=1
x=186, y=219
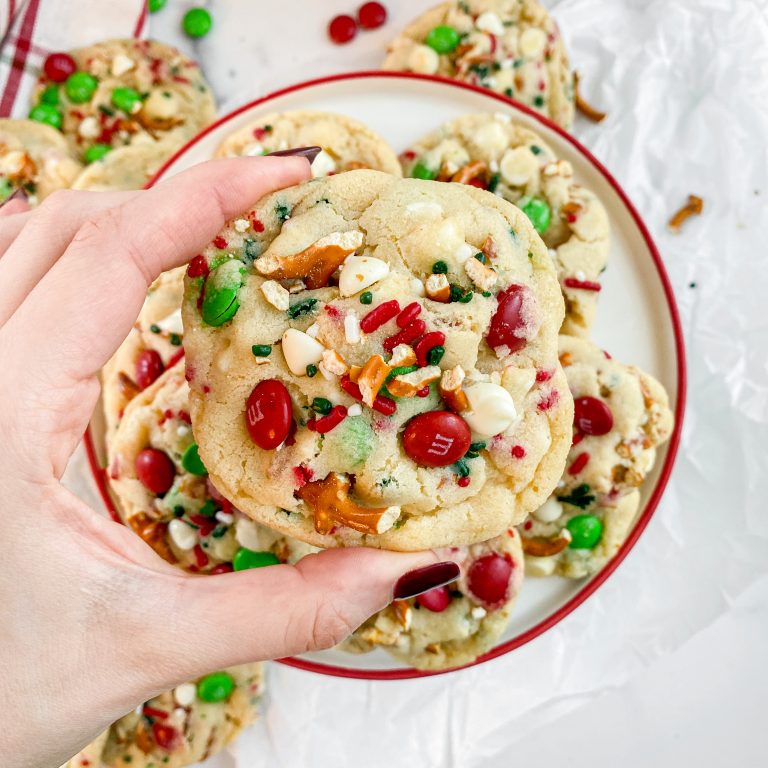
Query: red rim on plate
x=594, y=583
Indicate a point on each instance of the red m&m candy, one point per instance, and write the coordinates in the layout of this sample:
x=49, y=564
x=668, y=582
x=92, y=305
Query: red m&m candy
x=508, y=321
x=59, y=66
x=436, y=600
x=155, y=470
x=268, y=414
x=592, y=416
x=149, y=365
x=488, y=578
x=436, y=438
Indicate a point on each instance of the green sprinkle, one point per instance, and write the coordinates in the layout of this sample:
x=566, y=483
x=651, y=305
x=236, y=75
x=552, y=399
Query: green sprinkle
x=435, y=355
x=478, y=446
x=466, y=298
x=536, y=150
x=493, y=182
x=209, y=508
x=154, y=328
x=252, y=251
x=311, y=370
x=261, y=350
x=480, y=257
x=179, y=511
x=487, y=294
x=366, y=298
x=471, y=455
x=538, y=100
x=509, y=92
x=219, y=531
x=321, y=405
x=108, y=111
x=401, y=370
x=192, y=462
x=420, y=171
x=462, y=470
x=175, y=340
x=456, y=292
x=439, y=268
x=283, y=212
x=579, y=497
x=96, y=152
x=301, y=308
x=530, y=254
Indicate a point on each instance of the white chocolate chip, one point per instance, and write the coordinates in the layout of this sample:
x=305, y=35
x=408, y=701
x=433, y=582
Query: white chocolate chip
x=247, y=534
x=225, y=518
x=182, y=535
x=532, y=42
x=322, y=165
x=360, y=272
x=254, y=149
x=241, y=225
x=492, y=138
x=122, y=64
x=355, y=410
x=518, y=166
x=160, y=105
x=540, y=566
x=489, y=22
x=502, y=117
x=182, y=430
x=417, y=287
x=89, y=127
x=276, y=295
x=491, y=409
x=388, y=519
x=352, y=328
x=185, y=694
x=478, y=612
x=549, y=511
x=313, y=330
x=423, y=59
x=463, y=252
x=301, y=350
x=425, y=209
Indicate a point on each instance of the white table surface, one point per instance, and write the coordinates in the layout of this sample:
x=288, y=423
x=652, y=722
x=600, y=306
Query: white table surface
x=665, y=666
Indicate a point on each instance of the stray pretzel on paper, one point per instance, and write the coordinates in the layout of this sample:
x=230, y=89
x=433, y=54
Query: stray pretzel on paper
x=583, y=106
x=693, y=207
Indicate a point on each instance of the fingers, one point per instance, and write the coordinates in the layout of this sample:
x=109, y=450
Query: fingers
x=278, y=611
x=33, y=242
x=92, y=294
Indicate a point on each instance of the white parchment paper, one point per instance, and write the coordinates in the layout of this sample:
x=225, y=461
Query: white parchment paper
x=685, y=83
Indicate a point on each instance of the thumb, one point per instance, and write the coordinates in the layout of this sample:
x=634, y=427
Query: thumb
x=281, y=610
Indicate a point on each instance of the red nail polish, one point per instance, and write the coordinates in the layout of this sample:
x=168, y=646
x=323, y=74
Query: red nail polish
x=423, y=579
x=309, y=152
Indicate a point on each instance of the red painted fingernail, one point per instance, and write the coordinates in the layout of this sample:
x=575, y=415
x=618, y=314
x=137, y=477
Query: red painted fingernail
x=423, y=579
x=19, y=194
x=309, y=152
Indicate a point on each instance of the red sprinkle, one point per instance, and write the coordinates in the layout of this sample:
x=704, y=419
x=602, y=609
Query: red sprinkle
x=492, y=41
x=518, y=451
x=381, y=404
x=577, y=438
x=542, y=375
x=205, y=525
x=333, y=419
x=406, y=336
x=549, y=400
x=152, y=712
x=176, y=357
x=463, y=481
x=302, y=475
x=584, y=285
x=219, y=242
x=222, y=568
x=257, y=225
x=579, y=463
x=259, y=133
x=528, y=525
x=380, y=315
x=423, y=392
x=198, y=267
x=332, y=311
x=200, y=557
x=411, y=312
x=165, y=736
x=409, y=154
x=607, y=355
x=427, y=342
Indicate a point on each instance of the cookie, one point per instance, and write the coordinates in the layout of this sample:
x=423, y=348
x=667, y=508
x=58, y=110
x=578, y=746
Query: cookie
x=511, y=47
x=346, y=143
x=153, y=345
x=34, y=157
x=415, y=399
x=180, y=727
x=621, y=416
x=451, y=626
x=125, y=168
x=128, y=92
x=493, y=152
x=165, y=496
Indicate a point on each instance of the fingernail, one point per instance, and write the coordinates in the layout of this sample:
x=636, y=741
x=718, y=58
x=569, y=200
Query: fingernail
x=423, y=579
x=19, y=194
x=309, y=152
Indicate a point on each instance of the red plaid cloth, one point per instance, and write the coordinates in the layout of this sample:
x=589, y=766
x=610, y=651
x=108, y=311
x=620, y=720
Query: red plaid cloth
x=31, y=29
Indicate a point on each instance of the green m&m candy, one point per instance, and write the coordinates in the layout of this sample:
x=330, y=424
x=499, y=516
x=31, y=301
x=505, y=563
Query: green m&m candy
x=192, y=462
x=156, y=5
x=50, y=95
x=215, y=687
x=197, y=22
x=126, y=99
x=220, y=301
x=245, y=559
x=586, y=531
x=442, y=39
x=420, y=171
x=538, y=211
x=46, y=113
x=80, y=87
x=96, y=152
x=6, y=189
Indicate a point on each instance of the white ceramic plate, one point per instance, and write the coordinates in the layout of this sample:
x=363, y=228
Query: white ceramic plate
x=637, y=317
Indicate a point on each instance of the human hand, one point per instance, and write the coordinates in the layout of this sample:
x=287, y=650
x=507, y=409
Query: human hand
x=95, y=622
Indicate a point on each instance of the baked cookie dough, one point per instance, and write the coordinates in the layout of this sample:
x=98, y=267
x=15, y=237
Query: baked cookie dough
x=127, y=92
x=186, y=725
x=34, y=157
x=165, y=496
x=451, y=626
x=509, y=46
x=493, y=152
x=621, y=416
x=125, y=168
x=415, y=399
x=346, y=143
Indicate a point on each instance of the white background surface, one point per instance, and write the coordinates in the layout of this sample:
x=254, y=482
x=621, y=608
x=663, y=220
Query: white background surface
x=665, y=666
